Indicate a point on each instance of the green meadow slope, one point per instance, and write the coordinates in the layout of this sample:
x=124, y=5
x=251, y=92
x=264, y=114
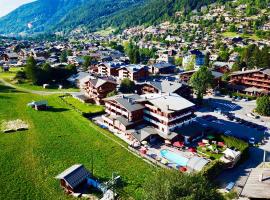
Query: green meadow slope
x=57, y=139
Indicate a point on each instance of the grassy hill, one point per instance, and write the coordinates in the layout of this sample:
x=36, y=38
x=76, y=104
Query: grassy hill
x=56, y=140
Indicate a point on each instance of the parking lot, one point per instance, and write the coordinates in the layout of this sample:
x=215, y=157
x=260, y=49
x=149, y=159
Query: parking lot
x=233, y=118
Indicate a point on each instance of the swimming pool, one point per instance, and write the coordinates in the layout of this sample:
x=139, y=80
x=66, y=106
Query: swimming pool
x=174, y=158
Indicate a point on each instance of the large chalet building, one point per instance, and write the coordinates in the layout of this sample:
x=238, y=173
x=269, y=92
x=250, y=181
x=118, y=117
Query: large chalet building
x=123, y=112
x=147, y=115
x=166, y=112
x=98, y=89
x=253, y=82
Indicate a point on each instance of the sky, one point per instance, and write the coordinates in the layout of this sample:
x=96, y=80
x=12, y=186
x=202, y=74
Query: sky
x=6, y=6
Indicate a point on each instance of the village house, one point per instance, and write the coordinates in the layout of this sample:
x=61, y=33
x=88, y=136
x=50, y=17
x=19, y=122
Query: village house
x=10, y=58
x=162, y=68
x=109, y=68
x=195, y=56
x=253, y=82
x=164, y=87
x=97, y=89
x=134, y=72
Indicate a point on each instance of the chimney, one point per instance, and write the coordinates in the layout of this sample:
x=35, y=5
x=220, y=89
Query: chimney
x=168, y=107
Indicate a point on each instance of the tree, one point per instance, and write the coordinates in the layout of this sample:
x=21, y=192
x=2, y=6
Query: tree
x=207, y=59
x=178, y=61
x=201, y=81
x=20, y=75
x=45, y=73
x=63, y=56
x=87, y=62
x=173, y=185
x=72, y=68
x=111, y=94
x=263, y=105
x=31, y=70
x=127, y=86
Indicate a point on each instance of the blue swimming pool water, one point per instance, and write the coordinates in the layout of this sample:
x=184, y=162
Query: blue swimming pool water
x=174, y=158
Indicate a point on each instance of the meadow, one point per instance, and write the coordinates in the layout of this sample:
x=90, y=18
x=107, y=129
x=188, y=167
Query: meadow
x=57, y=139
x=9, y=77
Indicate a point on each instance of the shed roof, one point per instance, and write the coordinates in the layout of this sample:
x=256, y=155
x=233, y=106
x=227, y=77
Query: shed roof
x=74, y=175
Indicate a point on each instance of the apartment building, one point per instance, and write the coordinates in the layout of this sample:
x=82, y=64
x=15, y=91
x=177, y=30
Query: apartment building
x=123, y=112
x=253, y=82
x=109, y=68
x=98, y=89
x=166, y=112
x=134, y=72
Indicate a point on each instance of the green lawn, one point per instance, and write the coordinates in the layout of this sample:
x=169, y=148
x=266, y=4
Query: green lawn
x=9, y=77
x=233, y=34
x=86, y=108
x=57, y=139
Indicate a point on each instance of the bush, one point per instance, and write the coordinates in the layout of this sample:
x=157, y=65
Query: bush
x=240, y=145
x=249, y=97
x=263, y=105
x=213, y=169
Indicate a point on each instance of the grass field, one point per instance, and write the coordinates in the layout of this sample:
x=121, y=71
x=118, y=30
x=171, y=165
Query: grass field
x=57, y=139
x=83, y=107
x=233, y=34
x=9, y=76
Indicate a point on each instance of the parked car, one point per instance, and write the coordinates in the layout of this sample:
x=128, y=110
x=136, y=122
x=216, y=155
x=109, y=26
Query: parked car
x=228, y=133
x=252, y=141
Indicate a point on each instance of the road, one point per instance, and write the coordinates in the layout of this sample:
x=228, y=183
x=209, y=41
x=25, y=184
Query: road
x=39, y=92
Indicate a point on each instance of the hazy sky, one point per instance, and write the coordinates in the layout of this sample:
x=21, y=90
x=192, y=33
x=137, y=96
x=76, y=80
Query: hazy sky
x=7, y=6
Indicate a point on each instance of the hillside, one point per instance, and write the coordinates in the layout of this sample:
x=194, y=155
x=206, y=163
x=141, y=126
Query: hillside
x=55, y=15
x=50, y=15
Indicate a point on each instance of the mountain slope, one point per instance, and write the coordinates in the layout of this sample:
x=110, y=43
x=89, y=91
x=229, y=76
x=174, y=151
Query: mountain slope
x=65, y=15
x=51, y=15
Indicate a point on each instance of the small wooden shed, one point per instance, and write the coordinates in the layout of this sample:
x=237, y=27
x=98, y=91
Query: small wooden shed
x=73, y=177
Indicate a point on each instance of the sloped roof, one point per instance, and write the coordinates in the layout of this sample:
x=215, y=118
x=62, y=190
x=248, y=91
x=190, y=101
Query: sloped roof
x=165, y=86
x=168, y=102
x=74, y=175
x=127, y=101
x=163, y=65
x=99, y=82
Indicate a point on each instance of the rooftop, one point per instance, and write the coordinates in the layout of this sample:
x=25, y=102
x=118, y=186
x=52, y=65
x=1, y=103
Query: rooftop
x=167, y=102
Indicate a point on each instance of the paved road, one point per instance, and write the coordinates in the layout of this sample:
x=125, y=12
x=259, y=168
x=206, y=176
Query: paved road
x=34, y=91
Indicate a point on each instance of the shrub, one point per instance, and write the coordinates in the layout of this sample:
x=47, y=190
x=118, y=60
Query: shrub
x=263, y=105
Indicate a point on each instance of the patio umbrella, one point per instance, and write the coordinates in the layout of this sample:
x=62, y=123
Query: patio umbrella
x=183, y=169
x=164, y=161
x=201, y=144
x=221, y=144
x=178, y=144
x=168, y=142
x=210, y=137
x=193, y=150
